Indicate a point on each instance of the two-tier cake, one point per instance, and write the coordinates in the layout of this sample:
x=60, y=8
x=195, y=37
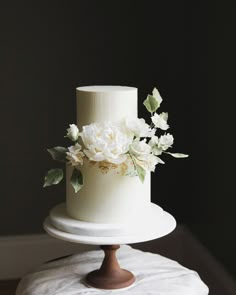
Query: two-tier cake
x=111, y=155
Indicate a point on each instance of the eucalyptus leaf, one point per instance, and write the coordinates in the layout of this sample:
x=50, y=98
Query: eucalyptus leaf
x=141, y=172
x=178, y=155
x=151, y=103
x=58, y=153
x=53, y=176
x=76, y=180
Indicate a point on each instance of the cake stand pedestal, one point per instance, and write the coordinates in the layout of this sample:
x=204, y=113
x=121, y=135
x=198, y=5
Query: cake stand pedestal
x=110, y=275
x=155, y=223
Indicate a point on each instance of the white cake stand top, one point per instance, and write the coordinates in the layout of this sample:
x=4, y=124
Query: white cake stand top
x=153, y=224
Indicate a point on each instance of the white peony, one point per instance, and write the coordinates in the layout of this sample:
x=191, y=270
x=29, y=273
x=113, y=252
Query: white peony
x=106, y=142
x=75, y=155
x=139, y=128
x=160, y=121
x=73, y=132
x=165, y=141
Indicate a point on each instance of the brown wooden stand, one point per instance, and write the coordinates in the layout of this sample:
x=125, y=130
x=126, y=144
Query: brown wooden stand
x=110, y=275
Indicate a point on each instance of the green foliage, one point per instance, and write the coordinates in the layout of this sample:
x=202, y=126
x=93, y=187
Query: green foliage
x=177, y=155
x=53, y=176
x=151, y=103
x=58, y=153
x=141, y=172
x=76, y=180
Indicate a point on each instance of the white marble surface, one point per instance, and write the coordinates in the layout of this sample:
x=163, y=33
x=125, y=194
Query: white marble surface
x=153, y=224
x=155, y=275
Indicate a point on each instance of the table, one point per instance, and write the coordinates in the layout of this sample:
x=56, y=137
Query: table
x=155, y=275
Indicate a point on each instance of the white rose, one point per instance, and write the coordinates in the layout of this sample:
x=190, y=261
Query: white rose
x=165, y=141
x=140, y=149
x=144, y=156
x=73, y=132
x=160, y=121
x=139, y=127
x=75, y=155
x=106, y=142
x=149, y=162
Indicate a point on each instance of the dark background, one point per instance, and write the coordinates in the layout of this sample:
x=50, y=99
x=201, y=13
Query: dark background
x=48, y=48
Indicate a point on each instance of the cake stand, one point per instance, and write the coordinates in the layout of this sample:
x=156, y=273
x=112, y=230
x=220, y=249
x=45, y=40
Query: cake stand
x=153, y=224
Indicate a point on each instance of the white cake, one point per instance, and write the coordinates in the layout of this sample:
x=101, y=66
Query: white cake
x=106, y=198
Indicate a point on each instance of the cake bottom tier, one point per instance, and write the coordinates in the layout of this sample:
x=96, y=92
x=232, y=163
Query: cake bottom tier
x=107, y=197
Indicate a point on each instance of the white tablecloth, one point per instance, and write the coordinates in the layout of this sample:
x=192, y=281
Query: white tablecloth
x=155, y=275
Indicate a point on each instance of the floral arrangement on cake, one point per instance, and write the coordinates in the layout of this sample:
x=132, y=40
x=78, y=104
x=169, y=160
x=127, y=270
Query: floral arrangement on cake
x=129, y=147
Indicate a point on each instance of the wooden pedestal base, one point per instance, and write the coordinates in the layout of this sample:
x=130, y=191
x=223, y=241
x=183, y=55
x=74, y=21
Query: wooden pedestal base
x=110, y=275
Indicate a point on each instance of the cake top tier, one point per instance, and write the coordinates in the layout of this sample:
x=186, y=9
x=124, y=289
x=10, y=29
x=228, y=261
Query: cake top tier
x=105, y=89
x=105, y=103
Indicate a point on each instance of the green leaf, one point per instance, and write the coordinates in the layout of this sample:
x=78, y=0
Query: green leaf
x=178, y=155
x=58, y=153
x=76, y=180
x=141, y=172
x=53, y=176
x=156, y=94
x=151, y=103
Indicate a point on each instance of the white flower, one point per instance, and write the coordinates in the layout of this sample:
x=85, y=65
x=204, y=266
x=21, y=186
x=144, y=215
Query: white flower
x=73, y=132
x=75, y=155
x=106, y=142
x=140, y=149
x=154, y=141
x=161, y=144
x=149, y=162
x=139, y=128
x=143, y=155
x=160, y=121
x=165, y=141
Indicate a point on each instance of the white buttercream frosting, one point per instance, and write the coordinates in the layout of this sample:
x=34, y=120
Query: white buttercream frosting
x=105, y=103
x=109, y=197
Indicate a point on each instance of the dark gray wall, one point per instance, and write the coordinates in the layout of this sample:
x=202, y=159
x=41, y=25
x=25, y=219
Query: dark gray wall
x=50, y=48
